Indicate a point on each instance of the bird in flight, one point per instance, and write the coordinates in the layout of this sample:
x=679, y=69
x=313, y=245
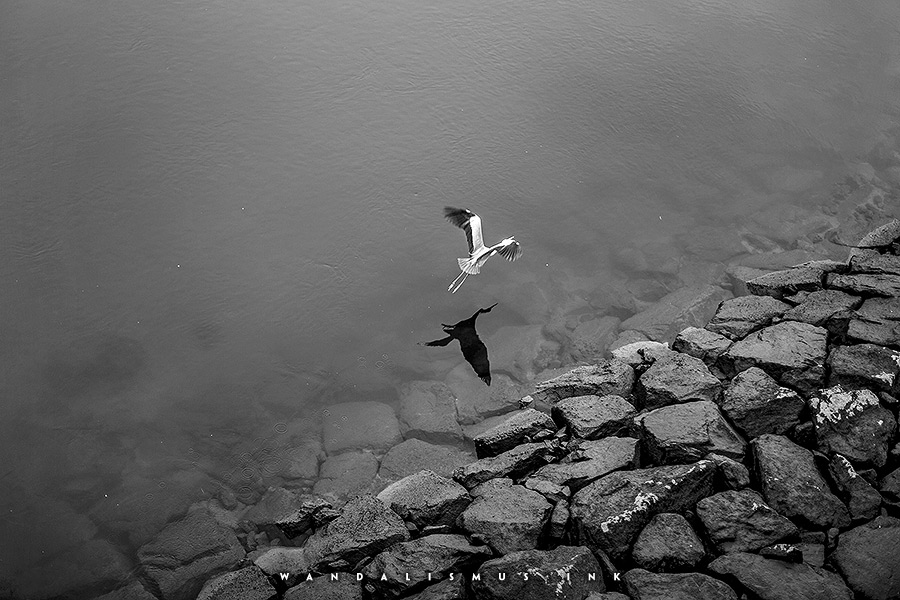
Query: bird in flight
x=478, y=252
x=473, y=349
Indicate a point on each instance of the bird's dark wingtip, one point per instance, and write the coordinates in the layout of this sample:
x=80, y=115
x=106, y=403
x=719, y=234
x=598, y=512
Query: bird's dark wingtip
x=487, y=380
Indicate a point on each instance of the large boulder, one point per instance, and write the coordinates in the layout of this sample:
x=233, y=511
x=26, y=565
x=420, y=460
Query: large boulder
x=737, y=317
x=703, y=344
x=854, y=424
x=772, y=579
x=756, y=404
x=864, y=366
x=675, y=379
x=518, y=428
x=791, y=351
x=428, y=412
x=875, y=322
x=793, y=486
x=187, y=553
x=686, y=307
x=592, y=417
x=741, y=521
x=685, y=433
x=408, y=566
x=865, y=284
x=604, y=378
x=360, y=425
x=801, y=278
x=668, y=543
x=867, y=557
x=508, y=517
x=425, y=498
x=564, y=573
x=591, y=460
x=819, y=307
x=609, y=513
x=644, y=585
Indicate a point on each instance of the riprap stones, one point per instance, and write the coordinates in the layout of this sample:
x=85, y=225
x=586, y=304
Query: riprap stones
x=854, y=424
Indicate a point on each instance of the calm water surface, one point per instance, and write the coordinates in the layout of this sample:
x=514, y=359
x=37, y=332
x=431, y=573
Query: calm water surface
x=215, y=216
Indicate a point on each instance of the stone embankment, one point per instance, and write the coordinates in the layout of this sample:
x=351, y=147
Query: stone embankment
x=756, y=457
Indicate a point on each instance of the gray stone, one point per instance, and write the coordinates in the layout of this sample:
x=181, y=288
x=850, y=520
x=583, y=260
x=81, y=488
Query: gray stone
x=358, y=426
x=284, y=559
x=559, y=521
x=737, y=317
x=756, y=404
x=678, y=378
x=790, y=351
x=592, y=417
x=867, y=557
x=786, y=552
x=553, y=492
x=633, y=353
x=518, y=428
x=334, y=586
x=590, y=461
x=667, y=543
x=864, y=366
x=428, y=412
x=644, y=585
x=508, y=518
x=132, y=591
x=875, y=263
x=311, y=511
x=609, y=513
x=476, y=401
x=513, y=463
x=591, y=338
x=821, y=306
x=779, y=284
x=730, y=474
x=248, y=583
x=425, y=498
x=865, y=284
x=521, y=351
x=447, y=589
x=414, y=455
x=889, y=486
x=741, y=521
x=861, y=498
x=606, y=596
x=854, y=424
x=187, y=553
x=793, y=486
x=877, y=322
x=604, y=378
x=703, y=344
x=404, y=568
x=769, y=579
x=684, y=433
x=561, y=573
x=346, y=475
x=689, y=306
x=740, y=275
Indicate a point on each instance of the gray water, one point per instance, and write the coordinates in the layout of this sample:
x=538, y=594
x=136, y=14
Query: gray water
x=216, y=217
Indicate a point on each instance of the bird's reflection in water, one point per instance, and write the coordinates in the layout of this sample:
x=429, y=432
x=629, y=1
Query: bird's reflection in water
x=473, y=349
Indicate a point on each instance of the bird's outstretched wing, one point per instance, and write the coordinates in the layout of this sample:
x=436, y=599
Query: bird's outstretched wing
x=510, y=250
x=469, y=222
x=440, y=342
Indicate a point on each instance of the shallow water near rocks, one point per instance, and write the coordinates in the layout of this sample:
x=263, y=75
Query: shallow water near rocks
x=216, y=220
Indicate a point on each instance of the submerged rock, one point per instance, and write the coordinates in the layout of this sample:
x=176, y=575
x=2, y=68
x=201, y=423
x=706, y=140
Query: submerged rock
x=360, y=425
x=428, y=412
x=687, y=307
x=248, y=583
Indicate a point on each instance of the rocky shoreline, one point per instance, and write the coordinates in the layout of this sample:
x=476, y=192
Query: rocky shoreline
x=754, y=457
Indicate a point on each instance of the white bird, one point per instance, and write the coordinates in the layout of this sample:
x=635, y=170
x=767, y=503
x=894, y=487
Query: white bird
x=478, y=252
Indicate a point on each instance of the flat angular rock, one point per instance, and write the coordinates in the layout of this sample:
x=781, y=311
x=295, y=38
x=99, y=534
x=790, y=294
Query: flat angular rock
x=793, y=486
x=593, y=417
x=519, y=428
x=864, y=366
x=739, y=316
x=678, y=378
x=604, y=378
x=310, y=512
x=508, y=518
x=609, y=513
x=740, y=275
x=689, y=306
x=867, y=557
x=877, y=322
x=249, y=583
x=476, y=401
x=425, y=498
x=561, y=573
x=345, y=587
x=286, y=559
x=365, y=528
x=730, y=474
x=404, y=568
x=553, y=492
x=787, y=282
x=591, y=461
x=861, y=498
x=741, y=521
x=428, y=412
x=769, y=579
x=790, y=351
x=414, y=455
x=346, y=475
x=634, y=353
x=685, y=433
x=512, y=463
x=703, y=344
x=865, y=284
x=644, y=585
x=756, y=404
x=187, y=553
x=360, y=426
x=559, y=521
x=668, y=543
x=854, y=424
x=820, y=306
x=875, y=263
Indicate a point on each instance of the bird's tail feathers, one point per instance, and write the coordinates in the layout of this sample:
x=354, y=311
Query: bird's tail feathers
x=469, y=265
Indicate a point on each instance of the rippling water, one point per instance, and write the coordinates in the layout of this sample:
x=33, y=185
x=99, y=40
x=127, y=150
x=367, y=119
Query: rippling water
x=214, y=216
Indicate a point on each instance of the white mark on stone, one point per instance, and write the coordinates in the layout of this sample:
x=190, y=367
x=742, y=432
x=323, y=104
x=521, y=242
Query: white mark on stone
x=642, y=503
x=837, y=404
